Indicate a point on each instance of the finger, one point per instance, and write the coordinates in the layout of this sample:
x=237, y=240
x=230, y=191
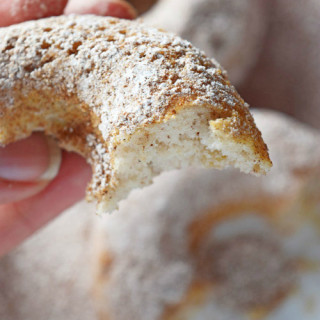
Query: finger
x=25, y=160
x=114, y=8
x=15, y=11
x=20, y=220
x=27, y=166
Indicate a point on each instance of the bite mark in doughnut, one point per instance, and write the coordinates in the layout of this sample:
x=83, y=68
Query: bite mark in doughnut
x=133, y=100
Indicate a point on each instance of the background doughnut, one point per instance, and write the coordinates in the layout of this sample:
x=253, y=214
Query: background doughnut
x=286, y=76
x=48, y=276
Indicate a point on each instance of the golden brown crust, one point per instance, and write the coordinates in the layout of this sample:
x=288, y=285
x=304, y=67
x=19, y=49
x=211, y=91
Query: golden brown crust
x=93, y=81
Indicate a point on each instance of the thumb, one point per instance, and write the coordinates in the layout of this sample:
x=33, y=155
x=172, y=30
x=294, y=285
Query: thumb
x=27, y=166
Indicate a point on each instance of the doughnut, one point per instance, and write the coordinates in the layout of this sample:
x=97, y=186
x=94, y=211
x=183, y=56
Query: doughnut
x=47, y=276
x=131, y=99
x=289, y=53
x=84, y=257
x=231, y=31
x=226, y=246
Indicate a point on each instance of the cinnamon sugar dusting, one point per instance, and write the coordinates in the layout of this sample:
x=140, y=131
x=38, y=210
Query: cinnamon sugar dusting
x=124, y=76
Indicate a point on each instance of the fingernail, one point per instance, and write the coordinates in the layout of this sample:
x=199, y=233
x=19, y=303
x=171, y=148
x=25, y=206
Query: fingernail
x=55, y=157
x=36, y=158
x=121, y=9
x=115, y=8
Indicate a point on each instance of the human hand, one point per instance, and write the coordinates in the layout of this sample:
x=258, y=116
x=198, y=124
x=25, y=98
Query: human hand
x=29, y=197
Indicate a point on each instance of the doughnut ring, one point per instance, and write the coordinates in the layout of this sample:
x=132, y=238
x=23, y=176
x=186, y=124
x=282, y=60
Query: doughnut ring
x=133, y=100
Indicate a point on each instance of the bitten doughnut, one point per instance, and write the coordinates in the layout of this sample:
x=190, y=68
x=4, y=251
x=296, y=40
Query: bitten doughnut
x=289, y=53
x=231, y=31
x=133, y=100
x=226, y=246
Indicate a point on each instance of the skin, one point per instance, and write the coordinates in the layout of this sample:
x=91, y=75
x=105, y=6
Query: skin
x=27, y=204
